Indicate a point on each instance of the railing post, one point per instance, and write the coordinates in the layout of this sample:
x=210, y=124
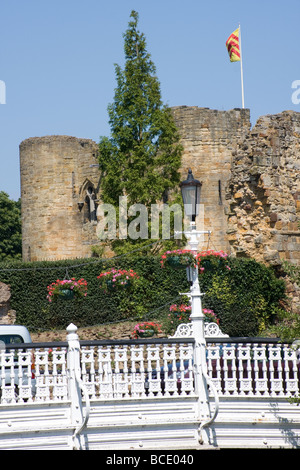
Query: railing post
x=74, y=385
x=200, y=366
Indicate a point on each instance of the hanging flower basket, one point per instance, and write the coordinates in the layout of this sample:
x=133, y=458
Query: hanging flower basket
x=67, y=289
x=146, y=334
x=210, y=316
x=210, y=260
x=67, y=294
x=178, y=314
x=178, y=259
x=117, y=278
x=111, y=285
x=146, y=330
x=181, y=312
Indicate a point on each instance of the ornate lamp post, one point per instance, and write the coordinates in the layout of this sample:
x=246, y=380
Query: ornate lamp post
x=191, y=192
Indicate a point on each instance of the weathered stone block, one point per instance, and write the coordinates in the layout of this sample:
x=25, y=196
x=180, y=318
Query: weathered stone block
x=4, y=299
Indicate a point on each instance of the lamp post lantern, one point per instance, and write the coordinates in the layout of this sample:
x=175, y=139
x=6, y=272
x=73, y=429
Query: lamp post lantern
x=191, y=192
x=191, y=196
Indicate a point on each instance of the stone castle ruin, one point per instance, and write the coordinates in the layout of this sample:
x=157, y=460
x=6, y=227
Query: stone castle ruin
x=59, y=185
x=250, y=186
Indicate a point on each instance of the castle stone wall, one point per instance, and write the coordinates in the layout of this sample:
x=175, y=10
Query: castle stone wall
x=55, y=171
x=264, y=195
x=264, y=191
x=209, y=137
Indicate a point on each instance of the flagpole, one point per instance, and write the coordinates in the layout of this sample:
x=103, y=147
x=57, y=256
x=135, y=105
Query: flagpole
x=241, y=61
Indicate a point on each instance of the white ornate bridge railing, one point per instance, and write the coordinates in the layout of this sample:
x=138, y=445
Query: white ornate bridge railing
x=148, y=368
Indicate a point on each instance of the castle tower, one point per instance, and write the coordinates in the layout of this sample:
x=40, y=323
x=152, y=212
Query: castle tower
x=209, y=138
x=59, y=187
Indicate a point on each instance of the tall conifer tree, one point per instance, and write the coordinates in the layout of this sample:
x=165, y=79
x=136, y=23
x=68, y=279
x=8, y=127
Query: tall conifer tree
x=142, y=157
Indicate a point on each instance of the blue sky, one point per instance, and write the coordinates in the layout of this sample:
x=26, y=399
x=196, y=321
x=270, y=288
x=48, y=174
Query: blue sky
x=57, y=62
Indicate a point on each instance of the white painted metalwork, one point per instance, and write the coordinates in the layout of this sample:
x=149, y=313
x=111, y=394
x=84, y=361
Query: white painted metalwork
x=143, y=393
x=253, y=369
x=211, y=330
x=50, y=374
x=111, y=371
x=76, y=386
x=138, y=370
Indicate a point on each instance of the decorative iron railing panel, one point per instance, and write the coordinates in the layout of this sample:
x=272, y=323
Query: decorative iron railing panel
x=34, y=373
x=138, y=370
x=148, y=368
x=240, y=368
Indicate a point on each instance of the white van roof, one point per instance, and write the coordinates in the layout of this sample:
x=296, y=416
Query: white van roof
x=19, y=330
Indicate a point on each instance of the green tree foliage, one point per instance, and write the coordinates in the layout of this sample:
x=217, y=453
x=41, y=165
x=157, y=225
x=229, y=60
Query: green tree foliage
x=10, y=228
x=142, y=157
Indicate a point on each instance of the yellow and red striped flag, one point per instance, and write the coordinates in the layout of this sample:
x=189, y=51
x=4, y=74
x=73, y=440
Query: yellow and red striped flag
x=233, y=46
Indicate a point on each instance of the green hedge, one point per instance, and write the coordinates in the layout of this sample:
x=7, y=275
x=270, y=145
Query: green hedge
x=245, y=298
x=29, y=282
